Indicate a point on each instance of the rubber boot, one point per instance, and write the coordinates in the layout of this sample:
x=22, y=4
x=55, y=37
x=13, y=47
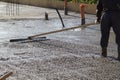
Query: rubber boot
x=104, y=52
x=119, y=53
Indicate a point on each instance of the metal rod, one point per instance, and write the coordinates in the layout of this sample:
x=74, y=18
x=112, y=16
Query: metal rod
x=60, y=18
x=13, y=8
x=18, y=8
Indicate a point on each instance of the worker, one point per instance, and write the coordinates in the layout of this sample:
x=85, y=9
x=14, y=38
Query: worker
x=110, y=12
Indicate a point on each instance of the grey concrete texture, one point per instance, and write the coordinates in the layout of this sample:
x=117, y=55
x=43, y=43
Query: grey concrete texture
x=69, y=55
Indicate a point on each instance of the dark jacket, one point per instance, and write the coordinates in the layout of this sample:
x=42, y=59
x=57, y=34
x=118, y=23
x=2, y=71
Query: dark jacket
x=107, y=6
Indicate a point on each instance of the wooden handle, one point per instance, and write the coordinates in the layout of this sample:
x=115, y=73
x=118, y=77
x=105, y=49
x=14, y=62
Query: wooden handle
x=61, y=30
x=6, y=75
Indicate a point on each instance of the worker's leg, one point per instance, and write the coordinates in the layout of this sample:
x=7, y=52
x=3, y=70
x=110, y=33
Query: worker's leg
x=117, y=33
x=116, y=28
x=105, y=30
x=119, y=53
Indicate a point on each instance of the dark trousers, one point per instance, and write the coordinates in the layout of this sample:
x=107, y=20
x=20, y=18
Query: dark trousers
x=110, y=19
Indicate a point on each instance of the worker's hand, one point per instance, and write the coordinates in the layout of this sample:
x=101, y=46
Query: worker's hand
x=97, y=21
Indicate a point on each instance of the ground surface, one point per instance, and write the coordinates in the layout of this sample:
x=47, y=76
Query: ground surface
x=70, y=55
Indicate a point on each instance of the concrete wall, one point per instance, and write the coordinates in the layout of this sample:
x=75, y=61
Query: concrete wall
x=90, y=8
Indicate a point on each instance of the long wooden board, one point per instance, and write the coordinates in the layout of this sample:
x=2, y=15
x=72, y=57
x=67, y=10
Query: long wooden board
x=61, y=30
x=5, y=75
